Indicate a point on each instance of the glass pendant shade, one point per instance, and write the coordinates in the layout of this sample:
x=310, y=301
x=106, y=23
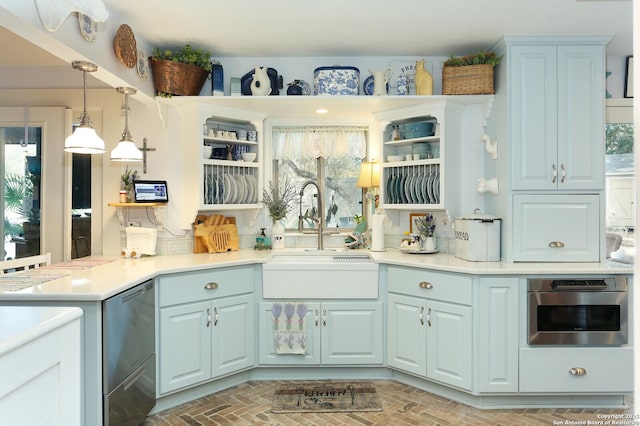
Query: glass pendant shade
x=126, y=150
x=84, y=139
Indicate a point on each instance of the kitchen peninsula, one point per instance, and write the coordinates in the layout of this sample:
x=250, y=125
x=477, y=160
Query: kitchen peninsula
x=488, y=362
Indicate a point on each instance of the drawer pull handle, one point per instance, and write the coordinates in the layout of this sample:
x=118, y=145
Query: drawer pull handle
x=208, y=317
x=564, y=173
x=556, y=244
x=425, y=284
x=554, y=173
x=315, y=316
x=429, y=317
x=421, y=315
x=578, y=371
x=324, y=317
x=216, y=316
x=211, y=286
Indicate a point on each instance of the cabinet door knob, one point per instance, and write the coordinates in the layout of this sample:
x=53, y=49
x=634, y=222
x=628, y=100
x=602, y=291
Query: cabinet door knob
x=556, y=244
x=211, y=286
x=577, y=371
x=425, y=284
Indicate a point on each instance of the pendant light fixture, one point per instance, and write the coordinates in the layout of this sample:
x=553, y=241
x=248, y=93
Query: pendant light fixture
x=126, y=150
x=84, y=139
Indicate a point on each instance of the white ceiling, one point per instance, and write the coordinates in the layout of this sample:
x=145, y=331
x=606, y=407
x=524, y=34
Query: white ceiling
x=366, y=27
x=254, y=28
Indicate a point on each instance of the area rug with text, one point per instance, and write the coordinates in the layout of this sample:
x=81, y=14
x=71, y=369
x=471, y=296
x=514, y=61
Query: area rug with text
x=325, y=397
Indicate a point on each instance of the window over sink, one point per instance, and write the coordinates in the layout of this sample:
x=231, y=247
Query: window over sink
x=343, y=147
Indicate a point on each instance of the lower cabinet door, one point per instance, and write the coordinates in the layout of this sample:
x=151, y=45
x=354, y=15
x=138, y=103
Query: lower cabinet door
x=351, y=333
x=407, y=334
x=233, y=343
x=556, y=228
x=274, y=332
x=449, y=343
x=185, y=346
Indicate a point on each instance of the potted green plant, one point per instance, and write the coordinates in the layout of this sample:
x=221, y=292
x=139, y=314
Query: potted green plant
x=469, y=75
x=180, y=72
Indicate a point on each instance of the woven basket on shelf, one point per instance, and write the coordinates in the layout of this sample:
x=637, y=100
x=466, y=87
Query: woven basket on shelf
x=177, y=78
x=468, y=80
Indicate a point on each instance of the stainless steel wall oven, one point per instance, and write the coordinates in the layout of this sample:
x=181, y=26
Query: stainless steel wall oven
x=578, y=311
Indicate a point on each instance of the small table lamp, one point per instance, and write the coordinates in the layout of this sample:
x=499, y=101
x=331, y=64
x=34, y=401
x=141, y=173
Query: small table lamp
x=368, y=180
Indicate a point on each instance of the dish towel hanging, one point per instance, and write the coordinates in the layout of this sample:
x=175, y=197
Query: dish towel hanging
x=289, y=328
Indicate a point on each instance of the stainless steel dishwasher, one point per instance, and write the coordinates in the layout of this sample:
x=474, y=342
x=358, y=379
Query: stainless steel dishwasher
x=128, y=355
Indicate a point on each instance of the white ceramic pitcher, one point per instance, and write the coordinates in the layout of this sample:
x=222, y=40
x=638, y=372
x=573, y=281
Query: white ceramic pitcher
x=380, y=80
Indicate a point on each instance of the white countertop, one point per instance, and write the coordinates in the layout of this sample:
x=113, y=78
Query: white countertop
x=20, y=325
x=105, y=280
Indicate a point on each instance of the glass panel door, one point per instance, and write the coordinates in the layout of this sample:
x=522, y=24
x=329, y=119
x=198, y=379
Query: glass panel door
x=21, y=149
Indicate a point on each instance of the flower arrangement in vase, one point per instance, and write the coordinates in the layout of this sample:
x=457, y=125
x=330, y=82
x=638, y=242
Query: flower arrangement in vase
x=279, y=201
x=426, y=228
x=126, y=182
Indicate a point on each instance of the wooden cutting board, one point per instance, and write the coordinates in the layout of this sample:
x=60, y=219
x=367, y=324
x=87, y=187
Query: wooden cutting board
x=215, y=234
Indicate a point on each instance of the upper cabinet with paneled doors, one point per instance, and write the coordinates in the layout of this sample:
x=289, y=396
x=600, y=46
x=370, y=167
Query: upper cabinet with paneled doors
x=548, y=121
x=557, y=115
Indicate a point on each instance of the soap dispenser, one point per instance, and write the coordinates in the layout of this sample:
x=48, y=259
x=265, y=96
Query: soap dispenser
x=260, y=240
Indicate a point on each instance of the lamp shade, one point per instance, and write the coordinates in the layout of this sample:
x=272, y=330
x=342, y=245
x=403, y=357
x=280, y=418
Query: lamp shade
x=369, y=175
x=126, y=151
x=84, y=140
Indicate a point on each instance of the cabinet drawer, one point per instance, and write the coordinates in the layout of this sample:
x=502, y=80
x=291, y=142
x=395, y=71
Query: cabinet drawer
x=549, y=369
x=192, y=286
x=447, y=287
x=556, y=228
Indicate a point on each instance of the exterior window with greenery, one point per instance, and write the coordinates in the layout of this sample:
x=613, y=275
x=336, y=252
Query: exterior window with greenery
x=21, y=190
x=297, y=148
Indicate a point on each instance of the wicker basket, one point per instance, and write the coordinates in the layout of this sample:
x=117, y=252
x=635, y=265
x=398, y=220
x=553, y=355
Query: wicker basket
x=177, y=78
x=468, y=80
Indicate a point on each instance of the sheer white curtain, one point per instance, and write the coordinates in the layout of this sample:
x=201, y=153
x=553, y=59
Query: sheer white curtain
x=343, y=148
x=311, y=142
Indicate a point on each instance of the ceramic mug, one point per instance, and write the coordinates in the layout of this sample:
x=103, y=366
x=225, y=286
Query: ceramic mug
x=242, y=134
x=252, y=135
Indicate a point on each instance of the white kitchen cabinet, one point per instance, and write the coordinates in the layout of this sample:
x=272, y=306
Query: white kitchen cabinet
x=557, y=114
x=338, y=333
x=40, y=366
x=556, y=228
x=227, y=180
x=206, y=326
x=200, y=184
x=433, y=179
x=496, y=324
x=429, y=325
